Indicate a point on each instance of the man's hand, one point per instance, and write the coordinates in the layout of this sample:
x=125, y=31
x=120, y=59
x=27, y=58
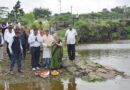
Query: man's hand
x=48, y=46
x=77, y=42
x=21, y=51
x=36, y=39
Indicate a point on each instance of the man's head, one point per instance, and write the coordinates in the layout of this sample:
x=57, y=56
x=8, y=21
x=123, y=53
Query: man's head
x=35, y=31
x=47, y=32
x=10, y=27
x=17, y=32
x=70, y=27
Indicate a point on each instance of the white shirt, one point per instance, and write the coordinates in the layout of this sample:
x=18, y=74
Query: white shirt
x=8, y=36
x=70, y=34
x=32, y=40
x=48, y=40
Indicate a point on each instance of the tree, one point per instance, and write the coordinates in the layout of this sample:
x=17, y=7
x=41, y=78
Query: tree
x=17, y=12
x=3, y=11
x=105, y=10
x=28, y=19
x=118, y=10
x=41, y=13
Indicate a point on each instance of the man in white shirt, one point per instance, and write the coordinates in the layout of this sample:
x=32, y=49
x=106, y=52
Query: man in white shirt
x=70, y=41
x=35, y=40
x=8, y=35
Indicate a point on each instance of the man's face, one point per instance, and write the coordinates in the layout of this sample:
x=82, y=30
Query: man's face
x=10, y=29
x=47, y=32
x=17, y=34
x=35, y=32
x=70, y=28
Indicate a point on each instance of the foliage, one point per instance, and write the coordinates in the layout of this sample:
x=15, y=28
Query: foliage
x=62, y=20
x=3, y=11
x=89, y=79
x=62, y=33
x=16, y=13
x=100, y=30
x=119, y=12
x=27, y=19
x=41, y=13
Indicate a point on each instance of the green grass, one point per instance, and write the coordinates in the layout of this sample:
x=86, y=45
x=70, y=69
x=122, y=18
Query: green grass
x=62, y=33
x=88, y=79
x=115, y=35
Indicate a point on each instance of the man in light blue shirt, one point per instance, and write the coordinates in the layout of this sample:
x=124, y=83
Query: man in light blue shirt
x=35, y=40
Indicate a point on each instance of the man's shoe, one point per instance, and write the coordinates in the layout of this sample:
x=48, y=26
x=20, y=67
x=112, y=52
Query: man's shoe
x=20, y=71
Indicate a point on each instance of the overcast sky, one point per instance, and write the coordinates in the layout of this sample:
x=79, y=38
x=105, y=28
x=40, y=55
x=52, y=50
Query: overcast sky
x=78, y=6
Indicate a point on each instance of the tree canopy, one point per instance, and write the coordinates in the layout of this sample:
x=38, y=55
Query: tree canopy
x=17, y=11
x=41, y=13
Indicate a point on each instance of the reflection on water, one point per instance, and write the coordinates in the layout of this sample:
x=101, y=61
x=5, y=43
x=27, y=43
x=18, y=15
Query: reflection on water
x=72, y=84
x=50, y=84
x=56, y=84
x=1, y=87
x=26, y=86
x=118, y=59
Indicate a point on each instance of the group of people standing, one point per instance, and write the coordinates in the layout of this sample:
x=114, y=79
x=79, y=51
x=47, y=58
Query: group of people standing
x=19, y=40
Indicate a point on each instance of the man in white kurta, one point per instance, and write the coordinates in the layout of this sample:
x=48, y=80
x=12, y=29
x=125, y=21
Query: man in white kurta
x=8, y=35
x=48, y=41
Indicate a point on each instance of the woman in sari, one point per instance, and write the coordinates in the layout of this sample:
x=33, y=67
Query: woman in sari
x=57, y=54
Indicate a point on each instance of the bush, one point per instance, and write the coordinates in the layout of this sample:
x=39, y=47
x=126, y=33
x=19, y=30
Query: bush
x=99, y=30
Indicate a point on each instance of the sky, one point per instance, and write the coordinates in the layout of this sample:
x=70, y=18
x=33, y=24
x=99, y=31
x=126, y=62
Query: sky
x=78, y=6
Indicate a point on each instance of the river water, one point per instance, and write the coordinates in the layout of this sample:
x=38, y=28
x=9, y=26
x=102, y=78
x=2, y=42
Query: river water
x=115, y=54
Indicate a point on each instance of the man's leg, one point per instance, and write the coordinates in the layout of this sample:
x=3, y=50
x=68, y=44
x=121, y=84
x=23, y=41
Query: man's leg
x=33, y=57
x=8, y=52
x=73, y=51
x=24, y=51
x=69, y=51
x=19, y=55
x=37, y=56
x=45, y=62
x=12, y=62
x=48, y=62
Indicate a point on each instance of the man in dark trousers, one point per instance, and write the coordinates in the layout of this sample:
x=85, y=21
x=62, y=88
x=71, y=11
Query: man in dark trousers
x=70, y=41
x=15, y=49
x=24, y=41
x=35, y=40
